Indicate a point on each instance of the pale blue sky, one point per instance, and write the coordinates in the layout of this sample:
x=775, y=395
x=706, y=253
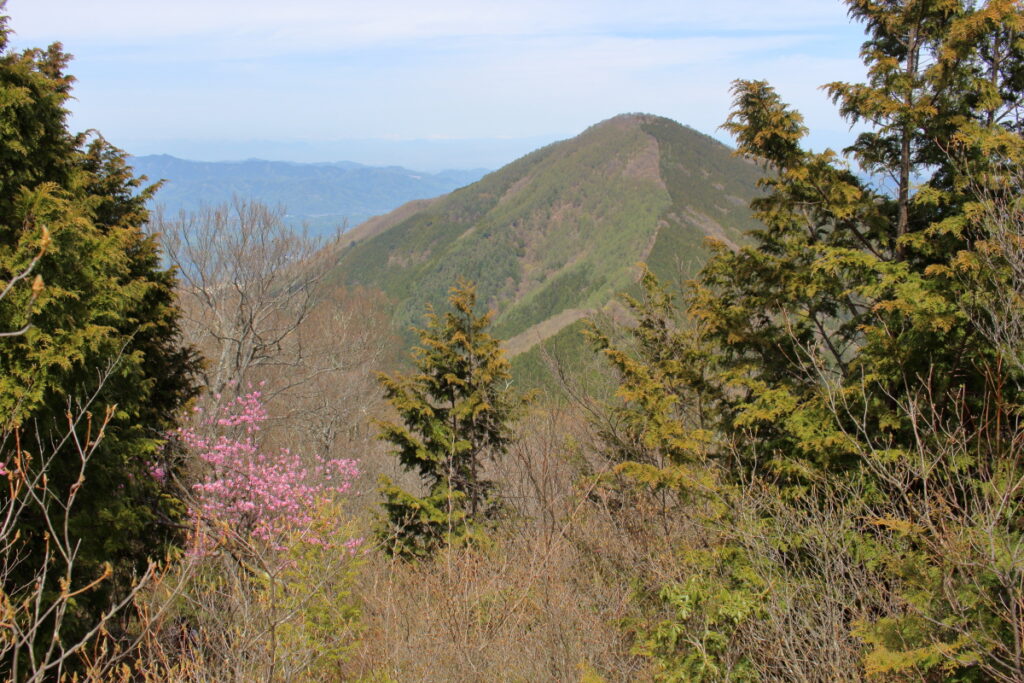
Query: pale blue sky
x=427, y=84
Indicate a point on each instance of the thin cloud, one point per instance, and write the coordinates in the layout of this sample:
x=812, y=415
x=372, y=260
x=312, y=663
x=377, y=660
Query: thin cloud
x=318, y=24
x=406, y=69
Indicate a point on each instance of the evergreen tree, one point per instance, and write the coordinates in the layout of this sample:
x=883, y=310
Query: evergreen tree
x=455, y=411
x=100, y=339
x=849, y=334
x=848, y=282
x=846, y=348
x=666, y=384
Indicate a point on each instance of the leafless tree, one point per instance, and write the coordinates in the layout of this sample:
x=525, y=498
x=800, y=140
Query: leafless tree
x=254, y=304
x=246, y=285
x=32, y=613
x=997, y=279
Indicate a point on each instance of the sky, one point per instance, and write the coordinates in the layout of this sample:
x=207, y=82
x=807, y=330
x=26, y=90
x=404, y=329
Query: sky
x=427, y=84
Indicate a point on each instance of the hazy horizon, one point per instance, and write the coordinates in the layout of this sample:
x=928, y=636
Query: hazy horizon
x=430, y=156
x=452, y=84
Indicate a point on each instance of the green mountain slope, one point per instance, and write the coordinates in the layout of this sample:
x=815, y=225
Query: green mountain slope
x=557, y=233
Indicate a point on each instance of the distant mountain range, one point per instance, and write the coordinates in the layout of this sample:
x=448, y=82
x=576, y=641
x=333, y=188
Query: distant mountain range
x=432, y=155
x=555, y=235
x=323, y=196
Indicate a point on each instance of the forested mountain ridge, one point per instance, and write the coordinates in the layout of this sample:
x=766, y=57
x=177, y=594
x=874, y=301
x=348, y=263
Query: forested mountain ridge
x=323, y=196
x=558, y=232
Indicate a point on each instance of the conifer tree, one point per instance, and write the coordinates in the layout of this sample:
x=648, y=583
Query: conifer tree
x=99, y=338
x=846, y=348
x=849, y=281
x=456, y=411
x=663, y=373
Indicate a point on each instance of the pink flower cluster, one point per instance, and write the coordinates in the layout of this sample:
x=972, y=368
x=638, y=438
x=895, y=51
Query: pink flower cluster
x=258, y=494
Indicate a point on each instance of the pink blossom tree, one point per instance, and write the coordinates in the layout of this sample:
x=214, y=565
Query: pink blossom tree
x=256, y=494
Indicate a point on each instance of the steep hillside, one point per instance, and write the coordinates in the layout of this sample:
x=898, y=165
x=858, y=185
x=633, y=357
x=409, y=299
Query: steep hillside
x=322, y=196
x=557, y=233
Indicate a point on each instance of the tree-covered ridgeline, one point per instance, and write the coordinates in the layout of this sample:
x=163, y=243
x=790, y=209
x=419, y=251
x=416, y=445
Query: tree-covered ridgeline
x=859, y=357
x=96, y=375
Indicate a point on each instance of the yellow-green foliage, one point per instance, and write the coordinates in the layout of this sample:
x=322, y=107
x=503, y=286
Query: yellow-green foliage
x=286, y=613
x=861, y=355
x=316, y=587
x=455, y=413
x=90, y=326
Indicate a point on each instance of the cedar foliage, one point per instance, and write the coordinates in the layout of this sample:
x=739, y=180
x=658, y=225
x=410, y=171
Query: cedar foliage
x=101, y=335
x=456, y=410
x=845, y=361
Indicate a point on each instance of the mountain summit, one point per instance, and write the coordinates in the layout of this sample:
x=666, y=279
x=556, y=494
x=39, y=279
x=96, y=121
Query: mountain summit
x=558, y=233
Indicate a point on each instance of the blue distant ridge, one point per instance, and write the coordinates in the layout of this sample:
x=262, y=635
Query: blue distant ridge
x=323, y=196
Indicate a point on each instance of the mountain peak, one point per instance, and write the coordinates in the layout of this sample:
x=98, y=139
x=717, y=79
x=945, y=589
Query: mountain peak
x=629, y=119
x=556, y=234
